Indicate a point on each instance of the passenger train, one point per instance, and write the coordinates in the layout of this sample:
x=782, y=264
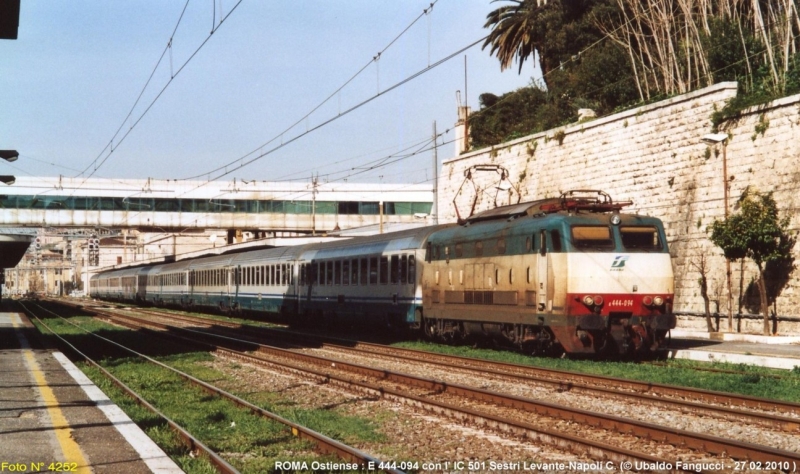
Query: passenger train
x=569, y=274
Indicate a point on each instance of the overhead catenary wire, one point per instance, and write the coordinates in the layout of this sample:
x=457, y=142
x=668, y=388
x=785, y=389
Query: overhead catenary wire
x=110, y=147
x=335, y=93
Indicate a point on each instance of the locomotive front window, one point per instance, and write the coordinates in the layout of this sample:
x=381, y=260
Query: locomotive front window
x=641, y=239
x=592, y=237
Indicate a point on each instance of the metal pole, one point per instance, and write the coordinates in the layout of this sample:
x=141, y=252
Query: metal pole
x=435, y=207
x=466, y=108
x=725, y=203
x=314, y=206
x=380, y=208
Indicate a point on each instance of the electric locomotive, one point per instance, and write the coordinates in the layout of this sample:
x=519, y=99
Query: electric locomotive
x=570, y=274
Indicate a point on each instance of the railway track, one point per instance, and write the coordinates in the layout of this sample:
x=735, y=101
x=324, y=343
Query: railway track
x=727, y=449
x=323, y=444
x=780, y=414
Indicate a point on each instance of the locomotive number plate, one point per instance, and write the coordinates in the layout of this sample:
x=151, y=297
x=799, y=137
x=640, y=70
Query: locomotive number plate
x=622, y=303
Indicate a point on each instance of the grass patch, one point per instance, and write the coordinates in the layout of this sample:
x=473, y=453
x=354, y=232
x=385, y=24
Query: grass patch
x=753, y=382
x=250, y=443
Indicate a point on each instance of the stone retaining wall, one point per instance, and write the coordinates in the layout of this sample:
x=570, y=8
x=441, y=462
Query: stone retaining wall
x=654, y=156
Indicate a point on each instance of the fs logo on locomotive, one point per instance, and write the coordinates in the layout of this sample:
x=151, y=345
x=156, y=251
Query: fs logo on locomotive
x=618, y=264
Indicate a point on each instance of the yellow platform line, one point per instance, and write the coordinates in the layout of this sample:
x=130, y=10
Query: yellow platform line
x=71, y=451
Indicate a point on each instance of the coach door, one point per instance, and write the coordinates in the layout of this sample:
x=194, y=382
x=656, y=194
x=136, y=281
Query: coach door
x=191, y=283
x=542, y=274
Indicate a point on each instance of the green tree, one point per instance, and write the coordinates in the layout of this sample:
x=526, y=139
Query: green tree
x=558, y=32
x=757, y=232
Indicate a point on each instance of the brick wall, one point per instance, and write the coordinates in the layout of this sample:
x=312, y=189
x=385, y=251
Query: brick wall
x=654, y=156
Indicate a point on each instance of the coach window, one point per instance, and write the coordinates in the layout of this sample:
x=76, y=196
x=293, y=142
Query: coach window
x=479, y=248
x=403, y=269
x=459, y=250
x=429, y=252
x=346, y=272
x=412, y=269
x=290, y=270
x=384, y=272
x=354, y=271
x=329, y=273
x=395, y=270
x=302, y=275
x=373, y=270
x=337, y=273
x=319, y=275
x=528, y=244
x=284, y=274
x=364, y=271
x=501, y=246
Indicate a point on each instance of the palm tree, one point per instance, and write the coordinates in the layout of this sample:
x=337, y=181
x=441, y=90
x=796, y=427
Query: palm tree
x=516, y=32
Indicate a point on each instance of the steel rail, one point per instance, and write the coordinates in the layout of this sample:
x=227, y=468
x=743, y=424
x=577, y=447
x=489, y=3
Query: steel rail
x=722, y=398
x=190, y=441
x=594, y=382
x=784, y=423
x=561, y=440
x=697, y=441
x=325, y=444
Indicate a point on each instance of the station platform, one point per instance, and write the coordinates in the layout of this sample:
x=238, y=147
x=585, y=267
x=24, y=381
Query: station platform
x=53, y=418
x=777, y=352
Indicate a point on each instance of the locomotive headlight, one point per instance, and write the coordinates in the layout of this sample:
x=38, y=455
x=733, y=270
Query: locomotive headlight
x=658, y=301
x=647, y=300
x=615, y=219
x=588, y=300
x=598, y=300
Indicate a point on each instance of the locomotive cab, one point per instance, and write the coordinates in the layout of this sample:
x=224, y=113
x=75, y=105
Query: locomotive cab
x=619, y=289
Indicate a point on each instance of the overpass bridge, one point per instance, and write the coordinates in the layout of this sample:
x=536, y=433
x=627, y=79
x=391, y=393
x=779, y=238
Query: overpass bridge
x=79, y=225
x=171, y=205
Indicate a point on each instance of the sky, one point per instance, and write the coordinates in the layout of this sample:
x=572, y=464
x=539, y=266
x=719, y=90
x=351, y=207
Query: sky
x=69, y=83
